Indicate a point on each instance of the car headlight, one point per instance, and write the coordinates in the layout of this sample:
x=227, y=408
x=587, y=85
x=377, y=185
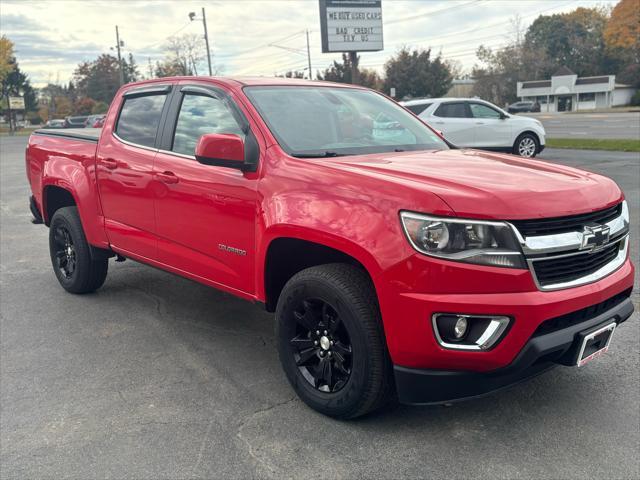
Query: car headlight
x=470, y=241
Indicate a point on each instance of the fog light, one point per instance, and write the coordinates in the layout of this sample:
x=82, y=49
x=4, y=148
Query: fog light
x=460, y=328
x=468, y=332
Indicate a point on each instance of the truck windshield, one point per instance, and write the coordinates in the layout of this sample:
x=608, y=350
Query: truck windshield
x=310, y=121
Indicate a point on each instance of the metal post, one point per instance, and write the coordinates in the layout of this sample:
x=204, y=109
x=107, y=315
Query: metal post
x=206, y=39
x=309, y=57
x=353, y=59
x=119, y=56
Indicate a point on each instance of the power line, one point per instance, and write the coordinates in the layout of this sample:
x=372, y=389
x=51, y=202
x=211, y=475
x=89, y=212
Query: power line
x=430, y=14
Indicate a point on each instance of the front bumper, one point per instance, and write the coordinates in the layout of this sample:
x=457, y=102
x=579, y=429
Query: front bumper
x=542, y=352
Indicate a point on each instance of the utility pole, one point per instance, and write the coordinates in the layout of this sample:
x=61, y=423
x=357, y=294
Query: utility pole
x=150, y=67
x=309, y=57
x=192, y=16
x=355, y=75
x=206, y=40
x=119, y=56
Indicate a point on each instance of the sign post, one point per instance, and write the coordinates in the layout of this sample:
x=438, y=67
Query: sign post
x=351, y=26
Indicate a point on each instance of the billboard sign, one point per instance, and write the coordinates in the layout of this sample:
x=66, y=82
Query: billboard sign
x=16, y=103
x=351, y=25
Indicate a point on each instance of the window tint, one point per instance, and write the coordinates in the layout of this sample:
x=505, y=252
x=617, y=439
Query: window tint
x=139, y=119
x=418, y=109
x=452, y=110
x=200, y=115
x=479, y=110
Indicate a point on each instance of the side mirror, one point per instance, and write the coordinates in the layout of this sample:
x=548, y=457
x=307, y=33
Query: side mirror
x=503, y=116
x=221, y=150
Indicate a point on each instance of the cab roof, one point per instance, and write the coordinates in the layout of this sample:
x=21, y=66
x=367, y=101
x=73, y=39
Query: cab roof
x=250, y=81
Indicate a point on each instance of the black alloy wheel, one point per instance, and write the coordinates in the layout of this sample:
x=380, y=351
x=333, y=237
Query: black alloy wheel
x=321, y=346
x=76, y=268
x=64, y=250
x=331, y=341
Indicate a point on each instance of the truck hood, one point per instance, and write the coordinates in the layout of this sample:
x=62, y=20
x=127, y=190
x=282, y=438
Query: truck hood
x=478, y=184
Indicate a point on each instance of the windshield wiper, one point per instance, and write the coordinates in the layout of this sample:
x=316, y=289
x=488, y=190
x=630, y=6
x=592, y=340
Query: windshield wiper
x=326, y=154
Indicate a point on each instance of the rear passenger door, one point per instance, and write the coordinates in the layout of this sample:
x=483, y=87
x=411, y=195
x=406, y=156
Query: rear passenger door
x=454, y=120
x=205, y=214
x=124, y=163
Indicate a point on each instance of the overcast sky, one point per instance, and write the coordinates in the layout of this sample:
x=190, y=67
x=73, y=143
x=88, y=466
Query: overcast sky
x=53, y=36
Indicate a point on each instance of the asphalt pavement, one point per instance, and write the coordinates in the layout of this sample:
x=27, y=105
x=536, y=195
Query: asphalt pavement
x=154, y=376
x=590, y=125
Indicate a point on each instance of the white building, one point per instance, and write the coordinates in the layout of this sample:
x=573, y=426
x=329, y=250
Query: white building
x=567, y=92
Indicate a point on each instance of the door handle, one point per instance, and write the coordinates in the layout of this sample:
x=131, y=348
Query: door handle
x=110, y=163
x=479, y=123
x=167, y=177
x=439, y=123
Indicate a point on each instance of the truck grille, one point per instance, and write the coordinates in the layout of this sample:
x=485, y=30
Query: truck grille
x=551, y=226
x=579, y=316
x=561, y=269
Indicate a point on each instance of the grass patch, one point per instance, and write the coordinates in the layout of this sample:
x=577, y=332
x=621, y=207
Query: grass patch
x=621, y=145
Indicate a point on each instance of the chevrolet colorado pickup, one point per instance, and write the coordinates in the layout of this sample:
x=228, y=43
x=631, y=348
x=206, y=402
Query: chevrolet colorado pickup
x=398, y=267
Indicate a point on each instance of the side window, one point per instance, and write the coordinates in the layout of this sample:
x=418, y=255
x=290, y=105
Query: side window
x=199, y=115
x=452, y=110
x=418, y=109
x=139, y=119
x=479, y=110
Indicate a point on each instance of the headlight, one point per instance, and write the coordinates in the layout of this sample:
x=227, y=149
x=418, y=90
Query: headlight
x=480, y=242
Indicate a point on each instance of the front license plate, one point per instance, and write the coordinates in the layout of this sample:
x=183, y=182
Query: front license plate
x=595, y=344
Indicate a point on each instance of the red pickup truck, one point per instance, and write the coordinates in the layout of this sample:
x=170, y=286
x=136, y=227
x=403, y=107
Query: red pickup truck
x=398, y=266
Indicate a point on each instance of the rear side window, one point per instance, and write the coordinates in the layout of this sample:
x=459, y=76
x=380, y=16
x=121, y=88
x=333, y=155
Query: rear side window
x=452, y=110
x=139, y=119
x=200, y=115
x=418, y=109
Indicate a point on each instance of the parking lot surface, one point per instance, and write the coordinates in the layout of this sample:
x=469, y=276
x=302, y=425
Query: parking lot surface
x=590, y=125
x=154, y=376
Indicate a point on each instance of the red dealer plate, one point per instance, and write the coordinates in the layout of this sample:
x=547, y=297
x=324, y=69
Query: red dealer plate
x=595, y=344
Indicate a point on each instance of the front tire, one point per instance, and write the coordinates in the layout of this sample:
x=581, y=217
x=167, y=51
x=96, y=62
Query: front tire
x=526, y=145
x=331, y=342
x=70, y=254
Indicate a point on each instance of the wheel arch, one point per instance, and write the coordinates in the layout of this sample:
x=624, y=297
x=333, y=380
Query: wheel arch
x=287, y=254
x=54, y=197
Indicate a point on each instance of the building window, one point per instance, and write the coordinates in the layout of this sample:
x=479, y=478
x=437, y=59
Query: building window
x=587, y=97
x=542, y=99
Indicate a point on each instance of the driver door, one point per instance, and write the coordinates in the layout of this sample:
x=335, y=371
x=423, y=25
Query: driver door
x=205, y=215
x=491, y=129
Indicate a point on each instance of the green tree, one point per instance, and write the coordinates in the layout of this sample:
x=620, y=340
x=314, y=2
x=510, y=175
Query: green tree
x=574, y=39
x=100, y=78
x=292, y=74
x=341, y=72
x=100, y=107
x=414, y=73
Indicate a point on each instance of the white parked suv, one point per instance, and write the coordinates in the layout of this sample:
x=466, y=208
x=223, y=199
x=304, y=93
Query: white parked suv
x=474, y=123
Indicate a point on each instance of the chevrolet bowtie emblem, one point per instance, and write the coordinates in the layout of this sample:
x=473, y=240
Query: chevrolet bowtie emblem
x=594, y=237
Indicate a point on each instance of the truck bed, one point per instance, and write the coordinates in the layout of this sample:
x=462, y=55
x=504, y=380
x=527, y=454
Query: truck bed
x=86, y=134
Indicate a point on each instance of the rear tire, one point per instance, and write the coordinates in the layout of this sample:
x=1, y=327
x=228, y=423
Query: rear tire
x=331, y=341
x=526, y=145
x=70, y=254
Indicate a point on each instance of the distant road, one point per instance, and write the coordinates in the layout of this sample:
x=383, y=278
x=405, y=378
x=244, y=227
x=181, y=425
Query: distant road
x=590, y=125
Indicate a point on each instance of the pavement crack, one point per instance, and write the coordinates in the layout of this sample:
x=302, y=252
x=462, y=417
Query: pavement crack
x=273, y=471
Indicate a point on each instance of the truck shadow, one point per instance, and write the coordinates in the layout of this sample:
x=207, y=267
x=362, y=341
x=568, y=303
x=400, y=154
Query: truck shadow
x=237, y=338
